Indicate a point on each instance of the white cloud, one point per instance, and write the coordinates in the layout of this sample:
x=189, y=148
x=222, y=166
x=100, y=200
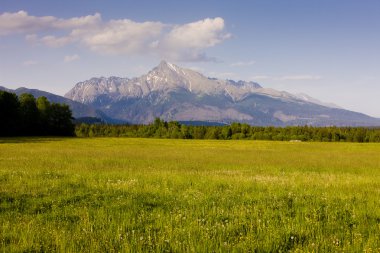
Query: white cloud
x=200, y=34
x=22, y=22
x=85, y=21
x=70, y=58
x=120, y=36
x=53, y=41
x=242, y=63
x=184, y=42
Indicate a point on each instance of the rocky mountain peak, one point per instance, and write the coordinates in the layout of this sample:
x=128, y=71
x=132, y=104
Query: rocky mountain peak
x=168, y=76
x=165, y=68
x=169, y=71
x=163, y=63
x=166, y=65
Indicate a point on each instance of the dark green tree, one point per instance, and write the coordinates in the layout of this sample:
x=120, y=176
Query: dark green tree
x=29, y=114
x=43, y=106
x=9, y=114
x=60, y=120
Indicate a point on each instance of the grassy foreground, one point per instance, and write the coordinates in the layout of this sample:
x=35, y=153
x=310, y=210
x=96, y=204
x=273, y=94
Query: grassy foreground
x=122, y=195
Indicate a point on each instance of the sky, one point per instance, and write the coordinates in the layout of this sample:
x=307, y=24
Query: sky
x=328, y=49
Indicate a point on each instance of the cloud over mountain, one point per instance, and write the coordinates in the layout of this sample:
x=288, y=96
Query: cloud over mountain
x=182, y=42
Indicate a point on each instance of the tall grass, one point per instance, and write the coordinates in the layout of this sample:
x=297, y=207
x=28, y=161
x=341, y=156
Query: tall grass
x=122, y=195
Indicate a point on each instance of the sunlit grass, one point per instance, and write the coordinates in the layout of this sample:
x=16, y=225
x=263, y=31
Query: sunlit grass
x=121, y=194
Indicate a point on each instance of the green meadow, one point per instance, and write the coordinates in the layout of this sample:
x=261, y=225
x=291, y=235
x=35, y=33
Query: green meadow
x=157, y=195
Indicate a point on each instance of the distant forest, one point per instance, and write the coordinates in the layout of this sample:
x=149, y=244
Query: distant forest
x=27, y=116
x=235, y=131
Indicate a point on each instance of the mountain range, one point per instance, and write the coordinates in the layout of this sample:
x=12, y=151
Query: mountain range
x=174, y=93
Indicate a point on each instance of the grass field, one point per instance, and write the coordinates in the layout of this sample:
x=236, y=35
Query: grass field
x=122, y=195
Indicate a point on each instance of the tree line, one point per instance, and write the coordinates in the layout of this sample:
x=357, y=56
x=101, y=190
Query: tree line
x=25, y=115
x=238, y=131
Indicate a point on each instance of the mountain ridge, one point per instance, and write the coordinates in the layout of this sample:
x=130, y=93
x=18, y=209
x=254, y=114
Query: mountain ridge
x=174, y=93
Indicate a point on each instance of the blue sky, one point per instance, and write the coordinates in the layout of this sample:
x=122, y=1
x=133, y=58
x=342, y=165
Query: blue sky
x=329, y=49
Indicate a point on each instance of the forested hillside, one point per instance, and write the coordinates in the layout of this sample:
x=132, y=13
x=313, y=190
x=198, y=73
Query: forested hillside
x=26, y=116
